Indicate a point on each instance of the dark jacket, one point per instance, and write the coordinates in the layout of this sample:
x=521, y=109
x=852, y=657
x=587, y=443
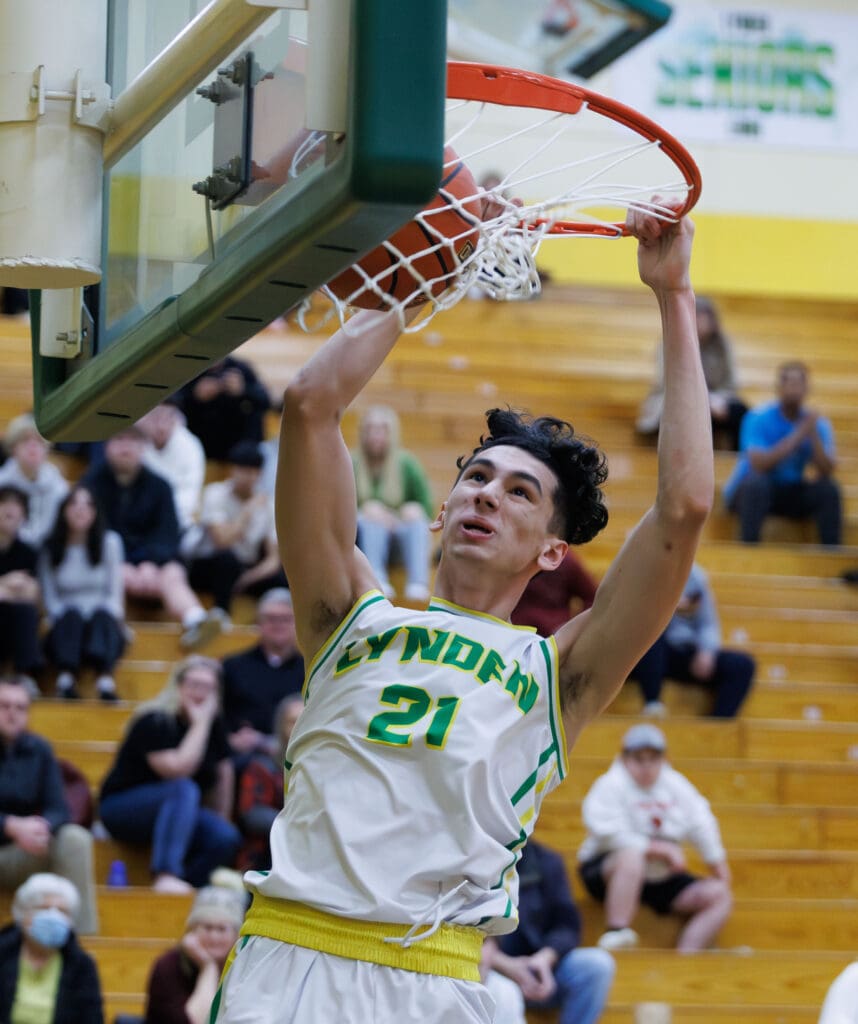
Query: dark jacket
x=547, y=915
x=31, y=783
x=143, y=513
x=79, y=991
x=252, y=688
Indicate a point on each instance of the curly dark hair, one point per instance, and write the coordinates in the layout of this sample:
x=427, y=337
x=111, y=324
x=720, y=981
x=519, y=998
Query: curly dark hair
x=580, y=467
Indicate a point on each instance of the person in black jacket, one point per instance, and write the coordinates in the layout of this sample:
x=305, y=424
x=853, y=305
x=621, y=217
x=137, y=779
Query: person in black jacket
x=139, y=506
x=41, y=945
x=541, y=956
x=256, y=680
x=224, y=405
x=36, y=832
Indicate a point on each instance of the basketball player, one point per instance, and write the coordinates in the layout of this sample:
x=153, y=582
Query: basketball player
x=429, y=739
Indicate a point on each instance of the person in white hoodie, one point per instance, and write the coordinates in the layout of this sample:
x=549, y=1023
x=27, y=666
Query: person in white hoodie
x=841, y=1000
x=638, y=816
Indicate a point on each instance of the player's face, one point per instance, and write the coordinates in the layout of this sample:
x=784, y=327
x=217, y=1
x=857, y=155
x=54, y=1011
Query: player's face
x=644, y=766
x=501, y=508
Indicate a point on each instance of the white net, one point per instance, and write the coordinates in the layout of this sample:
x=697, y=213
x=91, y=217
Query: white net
x=542, y=173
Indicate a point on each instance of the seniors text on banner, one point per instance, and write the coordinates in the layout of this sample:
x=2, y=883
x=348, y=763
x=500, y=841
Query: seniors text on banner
x=787, y=78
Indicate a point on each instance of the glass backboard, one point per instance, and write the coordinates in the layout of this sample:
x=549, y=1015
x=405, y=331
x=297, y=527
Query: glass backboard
x=283, y=162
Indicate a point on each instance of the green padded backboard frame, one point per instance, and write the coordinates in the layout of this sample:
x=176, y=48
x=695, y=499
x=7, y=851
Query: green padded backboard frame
x=287, y=247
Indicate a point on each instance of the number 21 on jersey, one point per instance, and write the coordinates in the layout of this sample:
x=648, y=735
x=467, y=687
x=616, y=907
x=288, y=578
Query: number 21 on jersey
x=412, y=705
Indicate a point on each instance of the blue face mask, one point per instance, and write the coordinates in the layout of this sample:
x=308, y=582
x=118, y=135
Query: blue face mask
x=49, y=928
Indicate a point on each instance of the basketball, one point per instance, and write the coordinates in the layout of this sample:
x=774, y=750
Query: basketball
x=447, y=229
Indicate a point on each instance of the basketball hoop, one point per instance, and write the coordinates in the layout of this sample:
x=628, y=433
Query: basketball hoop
x=559, y=179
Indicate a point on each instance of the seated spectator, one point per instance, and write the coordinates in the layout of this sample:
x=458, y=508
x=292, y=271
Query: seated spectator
x=19, y=591
x=552, y=598
x=719, y=369
x=841, y=1000
x=260, y=790
x=780, y=442
x=80, y=573
x=257, y=679
x=35, y=830
x=172, y=782
x=542, y=955
x=235, y=546
x=14, y=302
x=184, y=981
x=638, y=815
x=45, y=975
x=139, y=506
x=177, y=455
x=28, y=469
x=690, y=651
x=394, y=503
x=224, y=405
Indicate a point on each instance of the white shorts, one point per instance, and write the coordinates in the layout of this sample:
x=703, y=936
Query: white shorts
x=271, y=982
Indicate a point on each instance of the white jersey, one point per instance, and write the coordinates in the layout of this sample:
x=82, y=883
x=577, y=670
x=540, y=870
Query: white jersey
x=416, y=772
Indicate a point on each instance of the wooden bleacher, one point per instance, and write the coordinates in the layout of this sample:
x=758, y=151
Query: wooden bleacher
x=782, y=778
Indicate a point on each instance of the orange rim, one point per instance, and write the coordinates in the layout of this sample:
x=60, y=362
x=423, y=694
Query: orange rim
x=511, y=87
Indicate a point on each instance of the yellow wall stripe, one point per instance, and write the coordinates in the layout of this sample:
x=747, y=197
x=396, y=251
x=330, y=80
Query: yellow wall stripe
x=734, y=254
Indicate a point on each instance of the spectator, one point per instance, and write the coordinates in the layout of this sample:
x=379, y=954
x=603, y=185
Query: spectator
x=35, y=831
x=28, y=469
x=719, y=369
x=177, y=455
x=637, y=816
x=260, y=789
x=139, y=507
x=172, y=782
x=45, y=975
x=542, y=954
x=552, y=598
x=80, y=573
x=19, y=591
x=224, y=405
x=394, y=503
x=256, y=680
x=184, y=981
x=14, y=302
x=690, y=651
x=780, y=441
x=841, y=1000
x=235, y=550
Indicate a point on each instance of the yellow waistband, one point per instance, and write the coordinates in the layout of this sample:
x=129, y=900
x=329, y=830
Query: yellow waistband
x=453, y=950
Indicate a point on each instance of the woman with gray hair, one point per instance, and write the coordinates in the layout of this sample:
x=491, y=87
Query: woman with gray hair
x=172, y=782
x=183, y=981
x=44, y=973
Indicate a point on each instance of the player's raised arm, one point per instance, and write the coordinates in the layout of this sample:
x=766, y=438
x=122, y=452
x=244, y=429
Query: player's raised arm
x=641, y=588
x=315, y=497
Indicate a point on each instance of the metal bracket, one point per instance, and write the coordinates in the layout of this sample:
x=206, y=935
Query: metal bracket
x=23, y=96
x=232, y=94
x=63, y=330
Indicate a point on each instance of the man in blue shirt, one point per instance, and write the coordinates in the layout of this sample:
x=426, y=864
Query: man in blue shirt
x=778, y=442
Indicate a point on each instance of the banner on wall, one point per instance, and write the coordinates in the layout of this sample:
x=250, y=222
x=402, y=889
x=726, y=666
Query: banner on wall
x=777, y=77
